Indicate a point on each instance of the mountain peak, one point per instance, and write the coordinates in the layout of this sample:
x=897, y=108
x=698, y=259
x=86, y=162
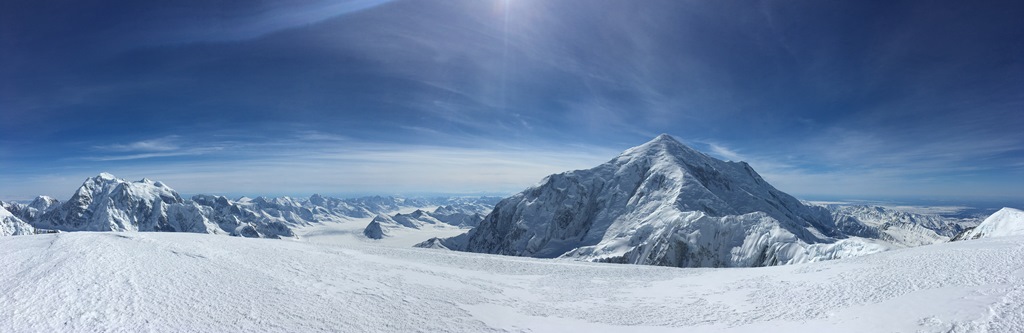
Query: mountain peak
x=633, y=209
x=664, y=137
x=105, y=176
x=664, y=141
x=663, y=145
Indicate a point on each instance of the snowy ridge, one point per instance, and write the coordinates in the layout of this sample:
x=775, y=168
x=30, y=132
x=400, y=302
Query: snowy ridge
x=1003, y=223
x=663, y=203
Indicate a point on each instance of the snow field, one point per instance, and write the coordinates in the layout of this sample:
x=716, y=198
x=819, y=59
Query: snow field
x=196, y=282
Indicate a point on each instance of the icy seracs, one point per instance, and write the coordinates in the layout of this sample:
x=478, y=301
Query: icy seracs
x=662, y=203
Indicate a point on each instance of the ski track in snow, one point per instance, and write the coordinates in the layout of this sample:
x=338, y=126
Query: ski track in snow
x=90, y=281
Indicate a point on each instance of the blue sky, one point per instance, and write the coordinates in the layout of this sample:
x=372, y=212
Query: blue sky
x=826, y=99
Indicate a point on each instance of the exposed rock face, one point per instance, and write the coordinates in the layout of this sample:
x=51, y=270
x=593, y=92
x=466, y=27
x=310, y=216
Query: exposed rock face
x=374, y=230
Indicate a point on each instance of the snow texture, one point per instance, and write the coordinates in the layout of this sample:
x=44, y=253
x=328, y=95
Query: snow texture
x=175, y=282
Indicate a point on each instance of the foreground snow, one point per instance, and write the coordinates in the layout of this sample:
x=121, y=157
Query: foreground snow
x=197, y=282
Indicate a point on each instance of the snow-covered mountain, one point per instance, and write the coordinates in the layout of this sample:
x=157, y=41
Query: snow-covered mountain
x=106, y=203
x=32, y=211
x=465, y=216
x=468, y=216
x=1005, y=222
x=662, y=203
x=895, y=226
x=11, y=225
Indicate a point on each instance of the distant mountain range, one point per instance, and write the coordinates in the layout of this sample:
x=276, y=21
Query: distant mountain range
x=466, y=216
x=106, y=203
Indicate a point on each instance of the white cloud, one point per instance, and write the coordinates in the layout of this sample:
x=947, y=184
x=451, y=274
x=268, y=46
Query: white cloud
x=167, y=143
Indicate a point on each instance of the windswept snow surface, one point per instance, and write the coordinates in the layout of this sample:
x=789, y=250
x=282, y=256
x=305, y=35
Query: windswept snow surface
x=91, y=281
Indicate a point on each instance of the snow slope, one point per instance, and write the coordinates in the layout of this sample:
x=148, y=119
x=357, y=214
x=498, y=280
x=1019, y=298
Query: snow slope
x=173, y=282
x=1005, y=222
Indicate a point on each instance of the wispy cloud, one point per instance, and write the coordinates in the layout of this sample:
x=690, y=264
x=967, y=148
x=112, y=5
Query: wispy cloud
x=268, y=19
x=167, y=143
x=296, y=165
x=167, y=146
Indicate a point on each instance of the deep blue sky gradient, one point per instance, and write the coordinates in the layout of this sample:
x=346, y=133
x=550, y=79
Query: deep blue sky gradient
x=827, y=99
